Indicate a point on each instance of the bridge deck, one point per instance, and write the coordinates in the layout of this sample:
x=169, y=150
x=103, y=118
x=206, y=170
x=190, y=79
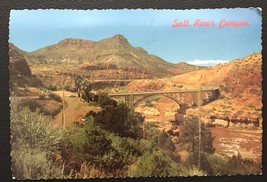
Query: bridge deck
x=203, y=89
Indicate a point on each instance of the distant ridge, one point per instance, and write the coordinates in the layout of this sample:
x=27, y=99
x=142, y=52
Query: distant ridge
x=115, y=50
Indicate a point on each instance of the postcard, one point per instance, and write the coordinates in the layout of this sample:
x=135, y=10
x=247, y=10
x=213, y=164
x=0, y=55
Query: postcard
x=135, y=93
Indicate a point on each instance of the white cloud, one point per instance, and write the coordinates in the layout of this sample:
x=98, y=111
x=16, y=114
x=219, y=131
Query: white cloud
x=207, y=62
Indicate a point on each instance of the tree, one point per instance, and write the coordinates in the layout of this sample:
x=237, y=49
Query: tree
x=105, y=151
x=86, y=87
x=190, y=140
x=190, y=134
x=203, y=162
x=161, y=140
x=87, y=143
x=121, y=120
x=105, y=100
x=78, y=83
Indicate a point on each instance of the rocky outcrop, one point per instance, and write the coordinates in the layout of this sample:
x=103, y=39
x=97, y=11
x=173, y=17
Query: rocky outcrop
x=19, y=70
x=18, y=66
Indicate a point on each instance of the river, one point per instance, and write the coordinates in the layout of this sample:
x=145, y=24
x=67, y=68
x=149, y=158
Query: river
x=230, y=141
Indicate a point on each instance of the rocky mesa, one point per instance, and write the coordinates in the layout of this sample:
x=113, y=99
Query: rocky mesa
x=114, y=53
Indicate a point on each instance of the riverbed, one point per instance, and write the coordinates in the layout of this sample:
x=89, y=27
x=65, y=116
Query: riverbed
x=231, y=141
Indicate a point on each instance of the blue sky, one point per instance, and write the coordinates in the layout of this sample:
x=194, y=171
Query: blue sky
x=150, y=29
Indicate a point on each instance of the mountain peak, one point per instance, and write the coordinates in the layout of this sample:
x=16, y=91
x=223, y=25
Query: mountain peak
x=12, y=48
x=118, y=38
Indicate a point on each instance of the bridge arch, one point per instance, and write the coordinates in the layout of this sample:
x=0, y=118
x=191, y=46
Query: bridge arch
x=136, y=103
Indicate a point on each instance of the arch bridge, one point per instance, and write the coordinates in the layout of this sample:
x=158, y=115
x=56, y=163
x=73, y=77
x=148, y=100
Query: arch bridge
x=185, y=98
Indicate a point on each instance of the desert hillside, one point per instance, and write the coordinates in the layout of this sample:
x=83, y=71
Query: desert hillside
x=239, y=81
x=115, y=54
x=111, y=51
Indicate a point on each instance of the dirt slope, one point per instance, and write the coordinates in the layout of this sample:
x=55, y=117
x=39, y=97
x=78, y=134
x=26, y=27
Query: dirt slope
x=239, y=81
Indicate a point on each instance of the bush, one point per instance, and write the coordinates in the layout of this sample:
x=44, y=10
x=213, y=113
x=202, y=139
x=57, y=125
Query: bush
x=218, y=165
x=88, y=143
x=41, y=96
x=150, y=100
x=105, y=100
x=33, y=129
x=191, y=171
x=67, y=86
x=149, y=103
x=52, y=87
x=120, y=120
x=34, y=81
x=33, y=141
x=101, y=150
x=47, y=107
x=236, y=165
x=154, y=164
x=205, y=166
x=161, y=140
x=34, y=163
x=55, y=97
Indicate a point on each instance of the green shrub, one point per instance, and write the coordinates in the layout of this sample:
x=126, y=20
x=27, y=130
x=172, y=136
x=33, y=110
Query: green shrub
x=55, y=97
x=52, y=87
x=105, y=100
x=34, y=163
x=150, y=100
x=33, y=141
x=149, y=103
x=67, y=86
x=205, y=166
x=33, y=129
x=104, y=151
x=154, y=164
x=236, y=165
x=120, y=120
x=88, y=143
x=161, y=140
x=218, y=165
